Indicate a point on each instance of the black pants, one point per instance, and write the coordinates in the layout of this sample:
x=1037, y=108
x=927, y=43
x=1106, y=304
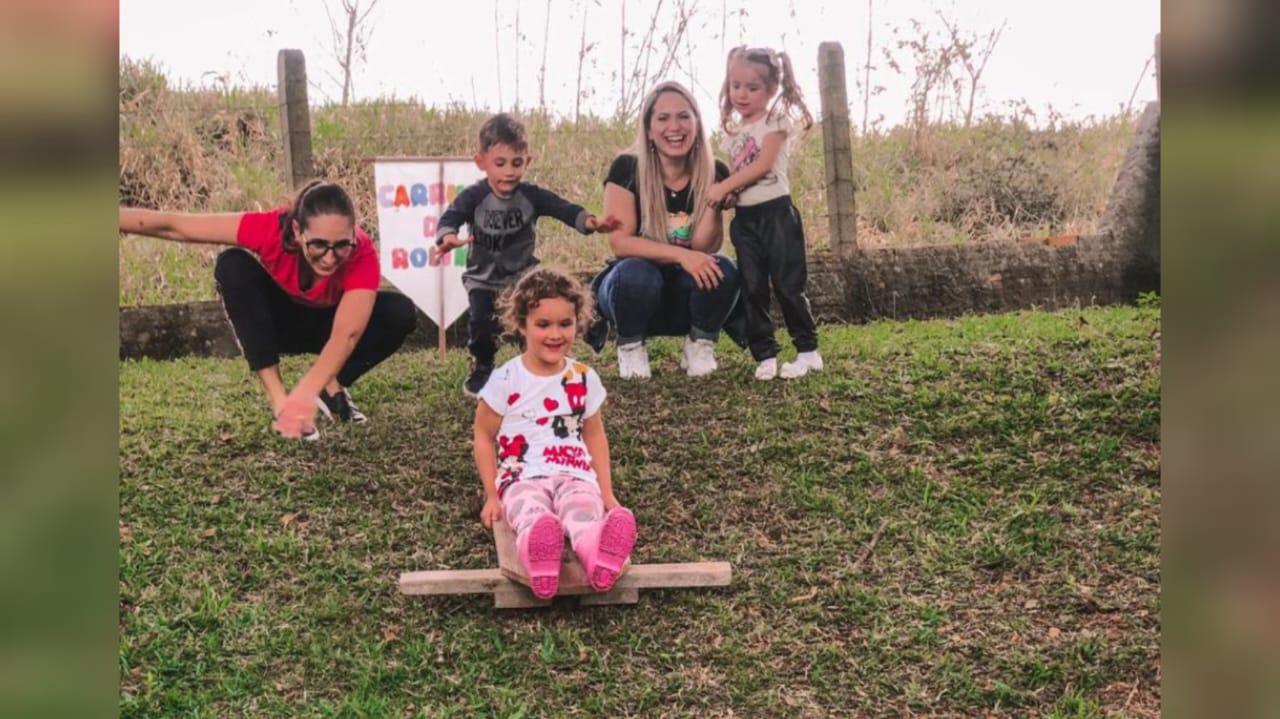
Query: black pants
x=268, y=322
x=770, y=243
x=483, y=327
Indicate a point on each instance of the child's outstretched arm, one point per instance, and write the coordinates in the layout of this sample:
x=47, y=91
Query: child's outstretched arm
x=598, y=445
x=486, y=426
x=546, y=202
x=459, y=212
x=748, y=175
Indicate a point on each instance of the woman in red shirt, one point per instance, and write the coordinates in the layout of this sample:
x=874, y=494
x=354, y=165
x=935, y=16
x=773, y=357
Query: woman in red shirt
x=301, y=279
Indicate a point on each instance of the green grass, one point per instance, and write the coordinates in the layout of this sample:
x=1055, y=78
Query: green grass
x=956, y=518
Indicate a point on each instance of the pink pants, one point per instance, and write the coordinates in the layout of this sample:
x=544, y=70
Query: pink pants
x=575, y=502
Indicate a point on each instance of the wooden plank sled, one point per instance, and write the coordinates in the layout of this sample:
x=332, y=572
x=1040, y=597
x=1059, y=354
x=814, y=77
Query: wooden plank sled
x=509, y=585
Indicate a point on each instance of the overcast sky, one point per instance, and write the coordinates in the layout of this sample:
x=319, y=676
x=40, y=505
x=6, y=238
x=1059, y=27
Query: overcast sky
x=1082, y=58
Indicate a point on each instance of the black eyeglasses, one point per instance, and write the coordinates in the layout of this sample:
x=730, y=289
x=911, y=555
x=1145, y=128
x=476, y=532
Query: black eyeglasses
x=340, y=249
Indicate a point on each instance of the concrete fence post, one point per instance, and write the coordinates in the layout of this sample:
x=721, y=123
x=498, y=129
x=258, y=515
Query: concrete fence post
x=1157, y=67
x=837, y=148
x=295, y=117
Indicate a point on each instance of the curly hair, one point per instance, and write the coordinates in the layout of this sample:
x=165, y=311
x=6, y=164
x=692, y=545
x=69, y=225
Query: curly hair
x=539, y=284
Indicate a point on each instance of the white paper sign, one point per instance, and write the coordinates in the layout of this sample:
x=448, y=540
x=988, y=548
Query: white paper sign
x=412, y=194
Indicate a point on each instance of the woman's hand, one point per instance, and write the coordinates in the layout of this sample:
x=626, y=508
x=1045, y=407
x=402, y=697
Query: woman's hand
x=491, y=512
x=297, y=415
x=447, y=244
x=610, y=501
x=703, y=268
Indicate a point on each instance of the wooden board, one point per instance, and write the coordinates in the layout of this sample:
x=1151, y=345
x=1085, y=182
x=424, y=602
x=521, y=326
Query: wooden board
x=509, y=584
x=641, y=576
x=517, y=596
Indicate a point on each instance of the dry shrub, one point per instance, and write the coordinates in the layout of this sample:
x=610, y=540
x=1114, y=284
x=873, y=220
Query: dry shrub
x=997, y=180
x=221, y=150
x=193, y=150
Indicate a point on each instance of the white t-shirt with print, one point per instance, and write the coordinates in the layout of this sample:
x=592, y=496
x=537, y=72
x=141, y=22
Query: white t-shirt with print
x=542, y=419
x=743, y=147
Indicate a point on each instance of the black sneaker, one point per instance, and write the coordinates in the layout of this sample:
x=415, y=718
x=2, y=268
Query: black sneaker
x=597, y=333
x=339, y=407
x=477, y=379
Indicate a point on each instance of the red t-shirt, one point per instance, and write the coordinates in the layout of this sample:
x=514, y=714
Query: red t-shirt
x=261, y=232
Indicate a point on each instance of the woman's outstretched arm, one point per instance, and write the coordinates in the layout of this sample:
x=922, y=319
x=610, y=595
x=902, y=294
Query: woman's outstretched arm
x=218, y=228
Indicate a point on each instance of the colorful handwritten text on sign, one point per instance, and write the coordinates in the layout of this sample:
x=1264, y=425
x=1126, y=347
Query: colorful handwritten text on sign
x=411, y=197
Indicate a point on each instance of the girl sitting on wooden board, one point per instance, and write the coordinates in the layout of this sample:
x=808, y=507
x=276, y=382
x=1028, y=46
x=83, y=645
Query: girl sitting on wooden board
x=540, y=444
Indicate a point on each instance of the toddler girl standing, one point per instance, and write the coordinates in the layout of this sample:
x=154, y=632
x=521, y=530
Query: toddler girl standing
x=766, y=229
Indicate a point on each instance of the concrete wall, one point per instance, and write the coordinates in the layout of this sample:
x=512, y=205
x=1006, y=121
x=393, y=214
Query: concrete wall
x=201, y=328
x=918, y=283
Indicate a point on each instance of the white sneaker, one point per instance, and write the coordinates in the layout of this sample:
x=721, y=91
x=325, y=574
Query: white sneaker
x=805, y=363
x=767, y=369
x=699, y=357
x=633, y=361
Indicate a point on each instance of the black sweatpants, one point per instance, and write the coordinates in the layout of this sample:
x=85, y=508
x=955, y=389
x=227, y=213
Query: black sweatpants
x=769, y=240
x=268, y=322
x=483, y=327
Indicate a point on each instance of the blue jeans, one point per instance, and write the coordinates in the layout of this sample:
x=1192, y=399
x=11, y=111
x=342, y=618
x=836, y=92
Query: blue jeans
x=645, y=299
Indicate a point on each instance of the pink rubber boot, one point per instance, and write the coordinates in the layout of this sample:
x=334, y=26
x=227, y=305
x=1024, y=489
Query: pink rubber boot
x=539, y=550
x=612, y=548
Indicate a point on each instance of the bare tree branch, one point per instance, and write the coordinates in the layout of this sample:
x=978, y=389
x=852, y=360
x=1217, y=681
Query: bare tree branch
x=866, y=85
x=351, y=33
x=516, y=105
x=583, y=49
x=622, y=62
x=497, y=53
x=963, y=48
x=1129, y=105
x=542, y=71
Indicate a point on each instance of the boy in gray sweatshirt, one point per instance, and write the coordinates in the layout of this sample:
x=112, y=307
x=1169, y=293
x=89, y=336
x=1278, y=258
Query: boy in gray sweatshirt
x=502, y=211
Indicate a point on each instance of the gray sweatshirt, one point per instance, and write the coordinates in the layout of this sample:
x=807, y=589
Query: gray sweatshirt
x=503, y=229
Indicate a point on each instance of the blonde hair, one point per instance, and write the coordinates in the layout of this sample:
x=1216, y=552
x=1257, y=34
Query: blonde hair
x=539, y=284
x=777, y=73
x=700, y=165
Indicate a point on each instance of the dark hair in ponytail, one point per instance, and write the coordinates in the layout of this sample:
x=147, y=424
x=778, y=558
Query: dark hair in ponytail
x=315, y=198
